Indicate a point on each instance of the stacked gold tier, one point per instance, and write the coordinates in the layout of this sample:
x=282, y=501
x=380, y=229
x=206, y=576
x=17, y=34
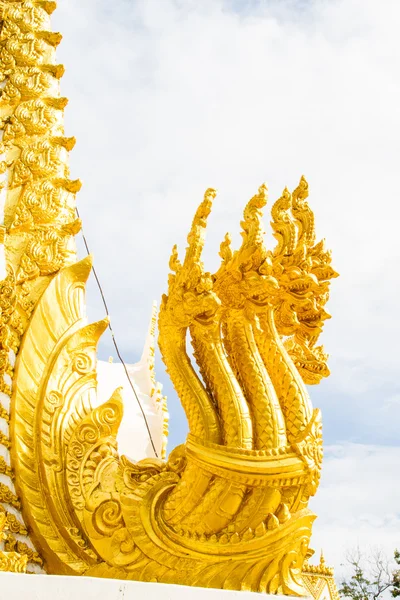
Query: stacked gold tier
x=37, y=202
x=229, y=507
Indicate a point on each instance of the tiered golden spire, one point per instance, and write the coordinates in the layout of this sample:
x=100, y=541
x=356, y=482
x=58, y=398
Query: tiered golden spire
x=39, y=221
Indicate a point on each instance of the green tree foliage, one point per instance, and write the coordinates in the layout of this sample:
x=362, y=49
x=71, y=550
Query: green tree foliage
x=371, y=576
x=396, y=576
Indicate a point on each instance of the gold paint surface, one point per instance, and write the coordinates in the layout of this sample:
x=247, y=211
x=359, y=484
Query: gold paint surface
x=10, y=560
x=229, y=508
x=319, y=580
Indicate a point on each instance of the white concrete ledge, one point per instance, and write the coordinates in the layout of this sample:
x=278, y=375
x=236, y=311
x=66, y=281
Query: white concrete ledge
x=56, y=587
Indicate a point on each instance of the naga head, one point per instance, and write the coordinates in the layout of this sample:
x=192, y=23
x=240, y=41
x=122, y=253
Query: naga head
x=311, y=362
x=190, y=289
x=292, y=280
x=303, y=269
x=245, y=279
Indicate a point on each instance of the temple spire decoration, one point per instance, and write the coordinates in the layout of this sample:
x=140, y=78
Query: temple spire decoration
x=37, y=198
x=229, y=508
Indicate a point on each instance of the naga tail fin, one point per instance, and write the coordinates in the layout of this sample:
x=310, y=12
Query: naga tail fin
x=48, y=403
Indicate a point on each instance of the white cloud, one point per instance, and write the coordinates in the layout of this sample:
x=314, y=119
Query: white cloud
x=169, y=97
x=358, y=502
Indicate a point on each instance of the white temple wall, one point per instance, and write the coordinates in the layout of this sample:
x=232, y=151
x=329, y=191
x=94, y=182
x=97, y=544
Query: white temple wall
x=56, y=587
x=133, y=438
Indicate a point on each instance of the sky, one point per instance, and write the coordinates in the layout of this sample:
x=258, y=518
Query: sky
x=170, y=97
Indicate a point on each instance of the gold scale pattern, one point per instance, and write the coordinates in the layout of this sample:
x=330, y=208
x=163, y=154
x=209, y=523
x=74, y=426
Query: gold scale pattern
x=229, y=509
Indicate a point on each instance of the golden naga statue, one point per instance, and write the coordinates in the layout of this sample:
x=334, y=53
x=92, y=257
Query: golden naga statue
x=229, y=508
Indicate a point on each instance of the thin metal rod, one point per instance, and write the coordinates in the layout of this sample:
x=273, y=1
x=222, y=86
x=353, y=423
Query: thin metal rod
x=115, y=341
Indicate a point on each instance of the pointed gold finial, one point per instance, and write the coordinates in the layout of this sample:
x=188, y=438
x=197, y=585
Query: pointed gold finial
x=322, y=559
x=196, y=236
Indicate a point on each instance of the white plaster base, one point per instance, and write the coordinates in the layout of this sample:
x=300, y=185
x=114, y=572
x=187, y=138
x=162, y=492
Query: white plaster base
x=56, y=587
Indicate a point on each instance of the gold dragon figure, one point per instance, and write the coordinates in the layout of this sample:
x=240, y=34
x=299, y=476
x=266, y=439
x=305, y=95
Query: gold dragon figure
x=229, y=508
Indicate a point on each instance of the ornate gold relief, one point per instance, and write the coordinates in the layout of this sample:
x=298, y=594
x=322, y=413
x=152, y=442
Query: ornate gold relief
x=319, y=580
x=229, y=508
x=10, y=560
x=39, y=222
